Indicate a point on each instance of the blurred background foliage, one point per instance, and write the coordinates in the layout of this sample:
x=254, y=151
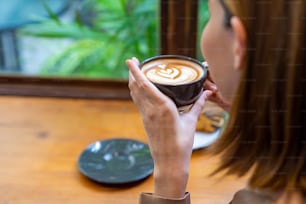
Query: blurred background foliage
x=203, y=17
x=104, y=33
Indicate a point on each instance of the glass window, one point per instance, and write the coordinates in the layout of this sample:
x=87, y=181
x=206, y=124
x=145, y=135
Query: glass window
x=76, y=38
x=77, y=48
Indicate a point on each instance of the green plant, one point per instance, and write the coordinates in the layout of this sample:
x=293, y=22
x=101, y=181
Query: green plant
x=104, y=34
x=203, y=19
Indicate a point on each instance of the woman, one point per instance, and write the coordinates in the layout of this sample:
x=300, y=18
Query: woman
x=261, y=81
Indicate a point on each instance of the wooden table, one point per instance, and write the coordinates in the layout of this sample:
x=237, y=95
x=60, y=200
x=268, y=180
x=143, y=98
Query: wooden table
x=41, y=139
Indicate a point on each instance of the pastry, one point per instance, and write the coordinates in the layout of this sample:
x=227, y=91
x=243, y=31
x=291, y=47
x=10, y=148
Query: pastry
x=211, y=118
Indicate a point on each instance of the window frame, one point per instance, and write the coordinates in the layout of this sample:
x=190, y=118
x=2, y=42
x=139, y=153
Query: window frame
x=178, y=35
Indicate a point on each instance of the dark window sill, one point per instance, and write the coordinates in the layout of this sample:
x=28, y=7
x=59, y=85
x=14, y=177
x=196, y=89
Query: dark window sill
x=63, y=87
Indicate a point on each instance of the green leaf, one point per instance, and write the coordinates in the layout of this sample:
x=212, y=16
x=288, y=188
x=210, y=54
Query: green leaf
x=54, y=30
x=50, y=12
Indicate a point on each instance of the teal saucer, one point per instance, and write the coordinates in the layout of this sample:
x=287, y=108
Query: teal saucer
x=116, y=161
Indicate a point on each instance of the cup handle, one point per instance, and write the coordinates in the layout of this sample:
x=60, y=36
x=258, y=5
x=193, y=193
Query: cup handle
x=205, y=64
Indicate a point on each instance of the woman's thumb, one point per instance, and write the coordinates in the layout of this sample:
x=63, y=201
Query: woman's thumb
x=199, y=104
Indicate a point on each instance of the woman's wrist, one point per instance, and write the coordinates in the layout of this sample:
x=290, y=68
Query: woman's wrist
x=171, y=182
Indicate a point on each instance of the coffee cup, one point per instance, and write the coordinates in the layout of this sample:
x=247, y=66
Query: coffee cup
x=181, y=78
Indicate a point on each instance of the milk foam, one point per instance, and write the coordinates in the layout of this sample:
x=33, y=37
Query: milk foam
x=172, y=72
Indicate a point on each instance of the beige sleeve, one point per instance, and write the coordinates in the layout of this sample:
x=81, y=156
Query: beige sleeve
x=149, y=198
x=241, y=197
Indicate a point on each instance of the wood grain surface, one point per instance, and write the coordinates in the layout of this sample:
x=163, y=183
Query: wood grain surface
x=41, y=139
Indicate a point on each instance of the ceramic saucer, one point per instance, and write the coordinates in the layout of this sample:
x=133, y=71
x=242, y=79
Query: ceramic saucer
x=116, y=161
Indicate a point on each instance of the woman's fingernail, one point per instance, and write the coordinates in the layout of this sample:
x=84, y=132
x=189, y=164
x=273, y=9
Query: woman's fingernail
x=214, y=88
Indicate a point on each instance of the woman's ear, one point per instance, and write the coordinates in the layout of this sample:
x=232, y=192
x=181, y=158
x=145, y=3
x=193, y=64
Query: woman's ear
x=239, y=42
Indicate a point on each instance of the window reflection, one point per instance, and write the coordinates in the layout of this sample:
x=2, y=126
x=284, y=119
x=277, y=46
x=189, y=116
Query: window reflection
x=91, y=38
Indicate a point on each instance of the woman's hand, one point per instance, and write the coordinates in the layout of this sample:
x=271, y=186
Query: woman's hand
x=170, y=134
x=214, y=94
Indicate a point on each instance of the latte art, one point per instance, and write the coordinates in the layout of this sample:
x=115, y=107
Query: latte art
x=166, y=71
x=172, y=73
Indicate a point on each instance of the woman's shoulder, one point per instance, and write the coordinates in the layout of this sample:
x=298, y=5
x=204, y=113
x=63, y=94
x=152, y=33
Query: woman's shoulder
x=246, y=196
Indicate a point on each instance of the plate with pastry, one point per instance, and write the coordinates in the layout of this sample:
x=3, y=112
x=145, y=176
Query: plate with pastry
x=209, y=126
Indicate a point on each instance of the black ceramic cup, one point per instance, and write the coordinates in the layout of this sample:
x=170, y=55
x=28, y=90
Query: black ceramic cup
x=179, y=77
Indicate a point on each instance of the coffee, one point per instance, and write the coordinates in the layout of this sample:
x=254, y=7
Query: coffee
x=179, y=77
x=172, y=71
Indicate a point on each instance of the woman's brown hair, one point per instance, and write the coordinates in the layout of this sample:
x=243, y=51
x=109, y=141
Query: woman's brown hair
x=266, y=131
